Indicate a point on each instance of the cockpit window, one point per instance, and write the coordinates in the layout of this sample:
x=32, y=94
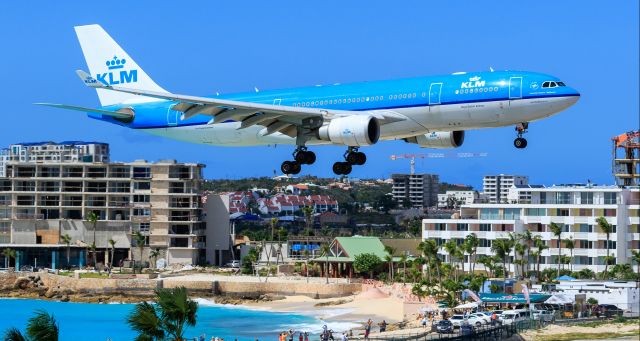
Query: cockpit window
x=550, y=84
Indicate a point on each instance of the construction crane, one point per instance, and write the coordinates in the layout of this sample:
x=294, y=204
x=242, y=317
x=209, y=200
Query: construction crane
x=413, y=157
x=626, y=159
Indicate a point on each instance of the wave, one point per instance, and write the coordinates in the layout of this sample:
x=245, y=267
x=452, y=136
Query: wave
x=316, y=328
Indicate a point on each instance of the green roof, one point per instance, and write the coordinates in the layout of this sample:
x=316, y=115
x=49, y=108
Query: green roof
x=353, y=246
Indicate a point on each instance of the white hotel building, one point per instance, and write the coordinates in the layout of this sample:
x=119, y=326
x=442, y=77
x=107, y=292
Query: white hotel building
x=574, y=207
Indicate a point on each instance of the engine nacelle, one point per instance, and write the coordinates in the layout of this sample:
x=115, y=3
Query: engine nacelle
x=353, y=131
x=438, y=140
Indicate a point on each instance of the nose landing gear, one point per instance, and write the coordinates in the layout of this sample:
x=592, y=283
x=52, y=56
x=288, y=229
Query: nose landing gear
x=353, y=158
x=520, y=142
x=301, y=156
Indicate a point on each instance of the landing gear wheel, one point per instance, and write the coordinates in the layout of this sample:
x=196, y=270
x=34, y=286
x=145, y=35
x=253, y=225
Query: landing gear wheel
x=361, y=158
x=342, y=168
x=290, y=167
x=305, y=157
x=520, y=143
x=356, y=158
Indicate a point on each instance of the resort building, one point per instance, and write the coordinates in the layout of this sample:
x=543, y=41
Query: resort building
x=43, y=200
x=67, y=151
x=415, y=190
x=496, y=187
x=573, y=207
x=453, y=199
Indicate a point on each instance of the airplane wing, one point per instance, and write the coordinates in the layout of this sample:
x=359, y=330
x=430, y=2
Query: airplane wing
x=276, y=118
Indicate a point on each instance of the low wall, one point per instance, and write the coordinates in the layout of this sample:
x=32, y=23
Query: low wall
x=101, y=285
x=314, y=290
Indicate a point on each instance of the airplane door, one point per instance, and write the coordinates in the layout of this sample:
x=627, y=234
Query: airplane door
x=435, y=91
x=172, y=117
x=515, y=88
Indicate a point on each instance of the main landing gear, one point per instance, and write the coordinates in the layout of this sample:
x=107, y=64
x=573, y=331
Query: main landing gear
x=520, y=142
x=301, y=156
x=353, y=158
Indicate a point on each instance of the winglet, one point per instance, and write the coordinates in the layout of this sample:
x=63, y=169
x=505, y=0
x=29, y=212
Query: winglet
x=90, y=81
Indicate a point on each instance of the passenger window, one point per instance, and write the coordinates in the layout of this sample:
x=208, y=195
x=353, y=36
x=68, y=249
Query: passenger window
x=552, y=85
x=545, y=84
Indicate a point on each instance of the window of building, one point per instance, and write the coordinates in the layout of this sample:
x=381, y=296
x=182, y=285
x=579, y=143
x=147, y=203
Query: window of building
x=142, y=185
x=543, y=197
x=585, y=212
x=610, y=198
x=140, y=198
x=609, y=212
x=484, y=242
x=585, y=228
x=485, y=227
x=462, y=227
x=563, y=212
x=586, y=198
x=141, y=212
x=511, y=213
x=441, y=227
x=489, y=213
x=141, y=172
x=563, y=198
x=536, y=212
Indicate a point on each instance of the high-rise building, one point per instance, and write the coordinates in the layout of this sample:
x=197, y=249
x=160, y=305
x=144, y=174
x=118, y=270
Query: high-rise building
x=575, y=208
x=42, y=201
x=496, y=187
x=415, y=190
x=66, y=151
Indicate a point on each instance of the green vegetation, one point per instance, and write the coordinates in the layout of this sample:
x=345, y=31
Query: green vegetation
x=584, y=336
x=366, y=263
x=41, y=327
x=9, y=254
x=167, y=319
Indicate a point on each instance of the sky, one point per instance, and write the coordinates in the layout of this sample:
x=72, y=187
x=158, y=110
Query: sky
x=204, y=47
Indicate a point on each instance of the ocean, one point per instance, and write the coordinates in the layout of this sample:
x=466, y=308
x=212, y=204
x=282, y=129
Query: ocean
x=94, y=321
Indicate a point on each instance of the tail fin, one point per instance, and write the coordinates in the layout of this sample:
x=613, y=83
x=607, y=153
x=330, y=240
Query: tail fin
x=111, y=65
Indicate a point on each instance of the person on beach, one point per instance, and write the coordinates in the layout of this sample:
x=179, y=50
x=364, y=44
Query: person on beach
x=367, y=329
x=306, y=336
x=291, y=333
x=424, y=322
x=300, y=336
x=383, y=326
x=344, y=337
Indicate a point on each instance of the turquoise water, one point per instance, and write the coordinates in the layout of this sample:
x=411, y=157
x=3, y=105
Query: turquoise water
x=91, y=321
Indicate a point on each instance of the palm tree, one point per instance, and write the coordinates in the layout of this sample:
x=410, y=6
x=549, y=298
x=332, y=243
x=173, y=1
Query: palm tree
x=325, y=250
x=140, y=240
x=570, y=245
x=403, y=260
x=92, y=217
x=514, y=240
x=471, y=243
x=635, y=257
x=112, y=244
x=527, y=238
x=41, y=327
x=487, y=262
x=501, y=247
x=308, y=215
x=606, y=229
x=557, y=231
x=8, y=255
x=167, y=319
x=520, y=250
x=452, y=249
x=389, y=258
x=153, y=254
x=540, y=246
x=66, y=240
x=273, y=223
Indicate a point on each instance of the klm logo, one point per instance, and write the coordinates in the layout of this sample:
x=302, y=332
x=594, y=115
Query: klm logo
x=474, y=82
x=116, y=75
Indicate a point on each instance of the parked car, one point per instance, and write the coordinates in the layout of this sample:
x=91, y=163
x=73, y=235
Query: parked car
x=544, y=315
x=610, y=310
x=485, y=317
x=458, y=320
x=235, y=264
x=513, y=316
x=444, y=326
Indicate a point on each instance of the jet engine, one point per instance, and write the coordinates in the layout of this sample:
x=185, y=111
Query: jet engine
x=439, y=140
x=353, y=131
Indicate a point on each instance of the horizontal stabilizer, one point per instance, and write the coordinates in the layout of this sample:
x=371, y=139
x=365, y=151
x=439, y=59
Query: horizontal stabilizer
x=90, y=81
x=121, y=113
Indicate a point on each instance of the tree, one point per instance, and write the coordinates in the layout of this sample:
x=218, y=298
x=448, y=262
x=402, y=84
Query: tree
x=501, y=247
x=389, y=259
x=325, y=250
x=487, y=262
x=471, y=243
x=607, y=229
x=140, y=240
x=167, y=319
x=570, y=245
x=403, y=260
x=92, y=217
x=557, y=231
x=153, y=254
x=66, y=240
x=540, y=246
x=366, y=263
x=514, y=241
x=452, y=249
x=520, y=251
x=527, y=238
x=592, y=301
x=308, y=216
x=112, y=244
x=9, y=254
x=41, y=327
x=635, y=257
x=586, y=273
x=273, y=223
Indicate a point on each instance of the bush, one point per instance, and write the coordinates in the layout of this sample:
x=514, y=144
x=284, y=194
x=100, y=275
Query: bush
x=366, y=263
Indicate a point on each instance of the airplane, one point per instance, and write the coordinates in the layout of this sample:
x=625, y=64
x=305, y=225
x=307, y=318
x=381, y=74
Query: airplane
x=432, y=112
